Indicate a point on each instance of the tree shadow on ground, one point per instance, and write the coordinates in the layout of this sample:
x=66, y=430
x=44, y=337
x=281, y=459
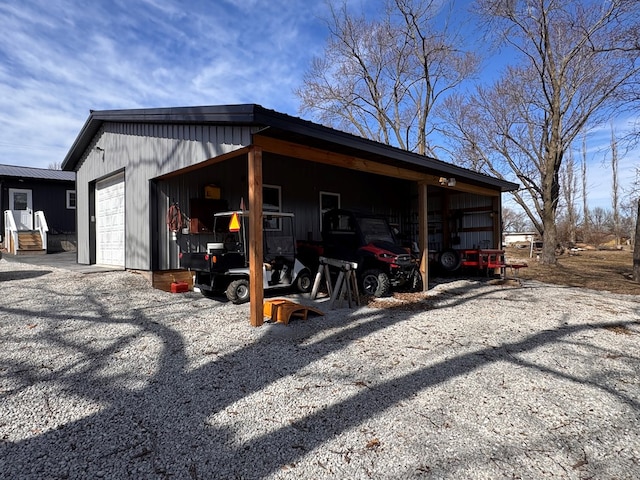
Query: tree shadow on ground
x=179, y=422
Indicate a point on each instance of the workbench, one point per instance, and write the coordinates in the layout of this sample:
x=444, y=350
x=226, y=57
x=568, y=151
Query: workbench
x=485, y=260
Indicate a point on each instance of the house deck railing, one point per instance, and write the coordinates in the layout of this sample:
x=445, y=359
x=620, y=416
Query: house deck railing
x=42, y=227
x=10, y=232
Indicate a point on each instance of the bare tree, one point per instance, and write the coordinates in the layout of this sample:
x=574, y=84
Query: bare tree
x=636, y=247
x=513, y=220
x=628, y=215
x=55, y=166
x=585, y=203
x=615, y=188
x=601, y=225
x=636, y=239
x=381, y=79
x=569, y=189
x=577, y=61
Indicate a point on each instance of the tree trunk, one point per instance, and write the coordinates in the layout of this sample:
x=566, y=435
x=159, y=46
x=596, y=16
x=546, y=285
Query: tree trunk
x=549, y=239
x=636, y=248
x=550, y=197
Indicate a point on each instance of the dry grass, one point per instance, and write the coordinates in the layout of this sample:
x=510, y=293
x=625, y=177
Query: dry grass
x=608, y=270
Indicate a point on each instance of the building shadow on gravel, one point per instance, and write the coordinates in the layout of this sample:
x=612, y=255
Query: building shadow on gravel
x=22, y=275
x=165, y=430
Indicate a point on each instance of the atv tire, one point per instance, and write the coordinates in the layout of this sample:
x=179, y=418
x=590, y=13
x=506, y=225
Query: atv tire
x=238, y=291
x=375, y=282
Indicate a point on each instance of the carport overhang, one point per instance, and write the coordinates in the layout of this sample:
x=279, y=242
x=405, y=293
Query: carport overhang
x=281, y=134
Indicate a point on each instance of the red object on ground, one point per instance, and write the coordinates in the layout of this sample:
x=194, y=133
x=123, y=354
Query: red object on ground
x=179, y=287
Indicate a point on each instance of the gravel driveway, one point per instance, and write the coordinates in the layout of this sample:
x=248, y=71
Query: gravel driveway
x=103, y=377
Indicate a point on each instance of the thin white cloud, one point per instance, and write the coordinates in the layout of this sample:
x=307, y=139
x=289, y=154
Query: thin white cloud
x=59, y=59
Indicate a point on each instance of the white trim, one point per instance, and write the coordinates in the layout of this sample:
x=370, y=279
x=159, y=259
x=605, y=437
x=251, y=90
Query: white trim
x=69, y=206
x=22, y=217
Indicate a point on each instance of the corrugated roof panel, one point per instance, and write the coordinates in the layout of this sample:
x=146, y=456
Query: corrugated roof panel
x=41, y=173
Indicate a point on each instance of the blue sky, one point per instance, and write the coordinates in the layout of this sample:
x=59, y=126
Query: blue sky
x=59, y=59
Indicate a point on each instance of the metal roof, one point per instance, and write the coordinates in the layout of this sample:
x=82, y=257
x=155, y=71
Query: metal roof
x=39, y=173
x=281, y=126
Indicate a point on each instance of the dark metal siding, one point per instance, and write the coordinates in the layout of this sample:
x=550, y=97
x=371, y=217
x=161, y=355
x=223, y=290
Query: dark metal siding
x=301, y=183
x=48, y=196
x=455, y=219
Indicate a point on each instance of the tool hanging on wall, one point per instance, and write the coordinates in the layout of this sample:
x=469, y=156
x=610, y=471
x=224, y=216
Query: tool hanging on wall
x=174, y=219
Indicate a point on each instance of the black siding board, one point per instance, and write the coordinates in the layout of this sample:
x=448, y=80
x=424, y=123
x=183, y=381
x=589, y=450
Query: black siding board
x=48, y=196
x=302, y=181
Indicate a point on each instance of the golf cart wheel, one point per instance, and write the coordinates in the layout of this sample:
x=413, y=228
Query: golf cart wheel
x=238, y=291
x=449, y=260
x=304, y=282
x=375, y=282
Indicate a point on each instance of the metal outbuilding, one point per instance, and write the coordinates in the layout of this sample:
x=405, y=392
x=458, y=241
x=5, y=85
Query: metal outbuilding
x=132, y=165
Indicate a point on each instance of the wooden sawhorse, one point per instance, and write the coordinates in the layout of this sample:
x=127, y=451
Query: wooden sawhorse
x=346, y=284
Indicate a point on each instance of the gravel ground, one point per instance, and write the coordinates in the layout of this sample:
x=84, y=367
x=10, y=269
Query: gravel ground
x=103, y=377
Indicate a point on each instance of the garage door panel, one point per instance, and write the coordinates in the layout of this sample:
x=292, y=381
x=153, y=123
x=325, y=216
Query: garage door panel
x=110, y=216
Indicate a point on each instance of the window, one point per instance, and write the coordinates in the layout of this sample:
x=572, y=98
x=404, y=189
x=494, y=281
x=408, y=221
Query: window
x=328, y=201
x=271, y=202
x=20, y=201
x=271, y=198
x=71, y=199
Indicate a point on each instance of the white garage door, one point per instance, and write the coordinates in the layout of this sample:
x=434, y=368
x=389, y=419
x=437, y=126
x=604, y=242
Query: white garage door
x=110, y=221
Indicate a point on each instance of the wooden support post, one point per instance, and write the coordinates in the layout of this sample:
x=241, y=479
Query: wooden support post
x=354, y=287
x=256, y=255
x=423, y=235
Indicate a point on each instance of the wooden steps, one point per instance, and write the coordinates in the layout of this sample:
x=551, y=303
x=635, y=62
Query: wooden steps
x=30, y=243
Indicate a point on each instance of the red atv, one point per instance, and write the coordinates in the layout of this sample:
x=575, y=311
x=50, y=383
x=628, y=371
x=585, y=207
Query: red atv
x=368, y=240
